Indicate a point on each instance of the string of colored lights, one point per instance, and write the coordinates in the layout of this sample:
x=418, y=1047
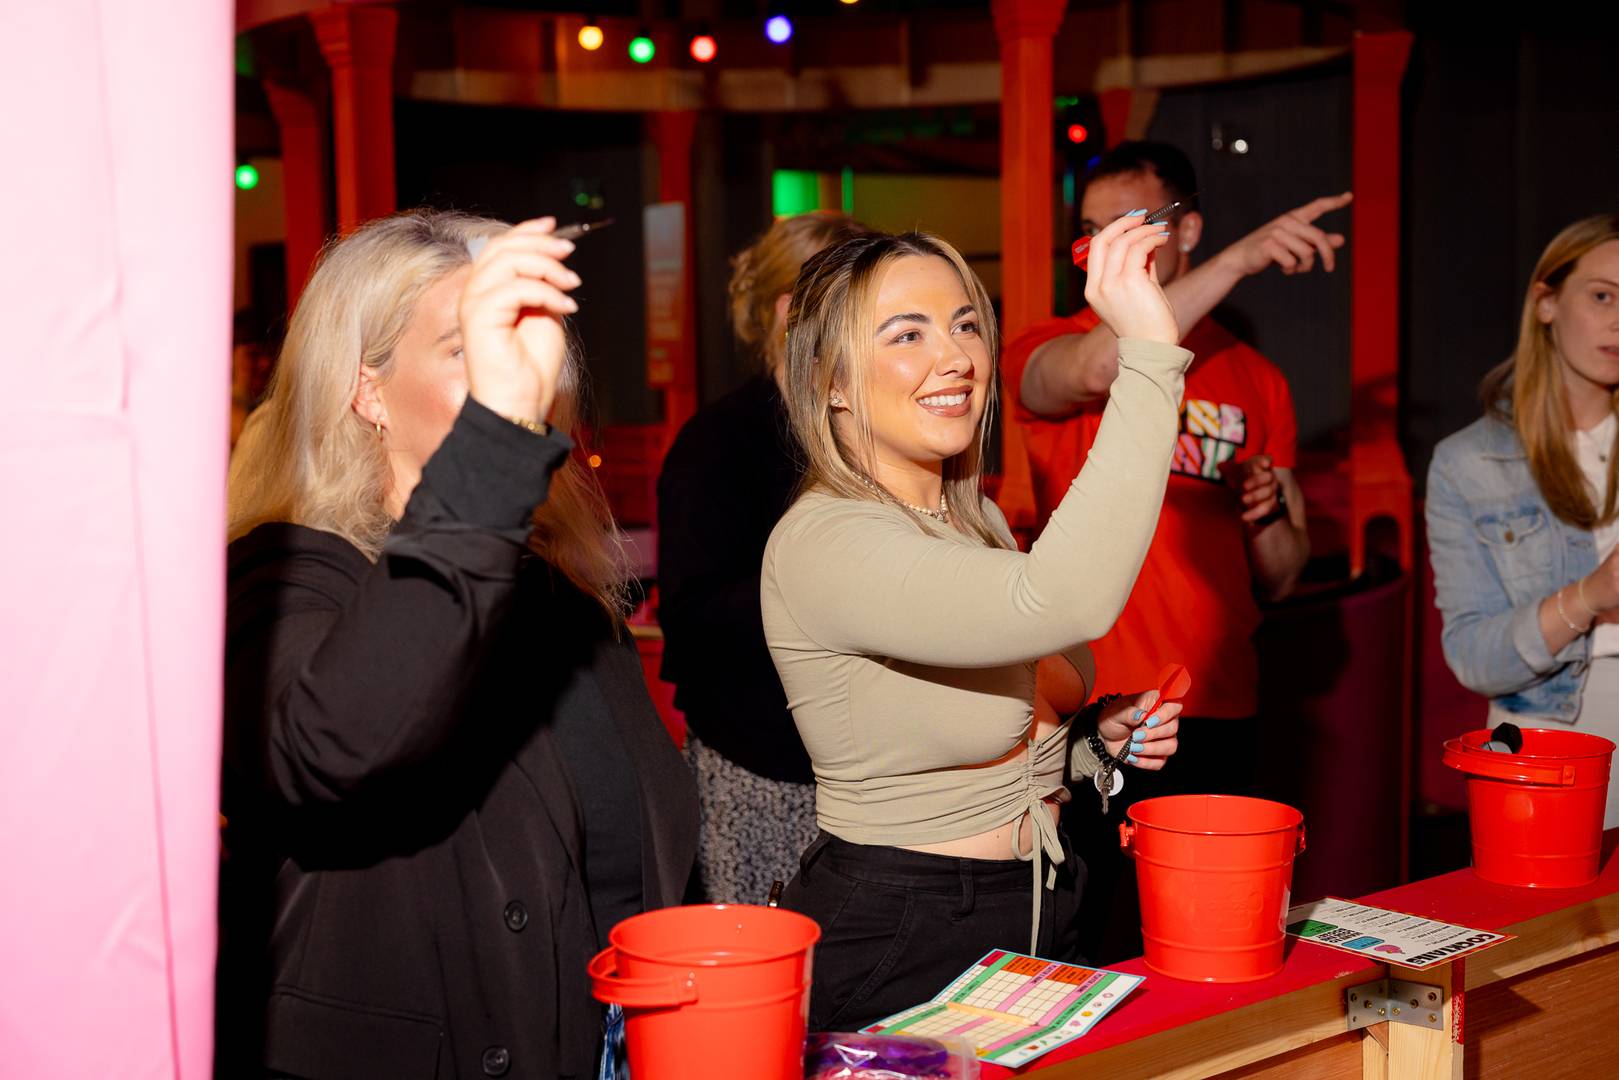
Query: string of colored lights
x=703, y=47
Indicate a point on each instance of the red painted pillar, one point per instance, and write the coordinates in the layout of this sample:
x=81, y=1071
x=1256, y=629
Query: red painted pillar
x=358, y=43
x=1025, y=29
x=1379, y=484
x=673, y=135
x=1115, y=106
x=303, y=172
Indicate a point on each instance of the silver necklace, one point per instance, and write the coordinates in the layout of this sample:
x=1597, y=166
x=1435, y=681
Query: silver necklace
x=941, y=514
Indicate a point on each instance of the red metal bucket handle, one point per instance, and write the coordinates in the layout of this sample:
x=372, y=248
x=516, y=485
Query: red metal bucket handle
x=1127, y=835
x=1504, y=766
x=607, y=985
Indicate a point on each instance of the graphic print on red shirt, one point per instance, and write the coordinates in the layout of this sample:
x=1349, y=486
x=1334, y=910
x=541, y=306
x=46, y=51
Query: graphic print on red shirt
x=1193, y=601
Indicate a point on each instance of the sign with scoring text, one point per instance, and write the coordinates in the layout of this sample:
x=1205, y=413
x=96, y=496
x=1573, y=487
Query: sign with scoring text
x=1391, y=937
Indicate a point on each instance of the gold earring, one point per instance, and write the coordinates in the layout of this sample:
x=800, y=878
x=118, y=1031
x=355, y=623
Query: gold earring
x=379, y=429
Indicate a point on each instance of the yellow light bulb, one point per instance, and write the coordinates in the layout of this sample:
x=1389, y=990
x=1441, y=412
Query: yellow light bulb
x=590, y=37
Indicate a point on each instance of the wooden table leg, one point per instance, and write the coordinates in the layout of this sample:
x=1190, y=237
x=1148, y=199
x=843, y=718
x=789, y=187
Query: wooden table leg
x=1422, y=1053
x=1374, y=1049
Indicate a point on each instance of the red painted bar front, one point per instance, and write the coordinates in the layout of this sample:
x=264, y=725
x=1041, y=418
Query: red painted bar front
x=1162, y=1003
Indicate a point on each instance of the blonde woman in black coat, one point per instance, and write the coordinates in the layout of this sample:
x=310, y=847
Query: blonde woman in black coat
x=444, y=779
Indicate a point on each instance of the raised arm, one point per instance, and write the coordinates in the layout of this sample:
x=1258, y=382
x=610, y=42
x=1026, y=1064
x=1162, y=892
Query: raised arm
x=1067, y=371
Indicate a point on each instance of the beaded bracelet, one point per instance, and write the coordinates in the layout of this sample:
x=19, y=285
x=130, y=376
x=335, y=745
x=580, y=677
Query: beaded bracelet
x=1108, y=780
x=1561, y=614
x=1579, y=588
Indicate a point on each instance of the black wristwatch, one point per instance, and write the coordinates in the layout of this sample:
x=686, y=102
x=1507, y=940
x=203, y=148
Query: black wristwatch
x=1278, y=512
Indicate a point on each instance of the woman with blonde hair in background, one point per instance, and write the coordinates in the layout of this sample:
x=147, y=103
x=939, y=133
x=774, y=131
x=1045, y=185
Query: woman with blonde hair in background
x=444, y=779
x=1523, y=505
x=726, y=481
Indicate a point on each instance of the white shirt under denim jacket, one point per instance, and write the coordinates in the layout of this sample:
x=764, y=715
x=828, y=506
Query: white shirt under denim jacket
x=1497, y=552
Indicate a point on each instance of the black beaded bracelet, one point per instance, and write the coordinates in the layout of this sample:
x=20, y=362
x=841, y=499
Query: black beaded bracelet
x=1087, y=720
x=1108, y=780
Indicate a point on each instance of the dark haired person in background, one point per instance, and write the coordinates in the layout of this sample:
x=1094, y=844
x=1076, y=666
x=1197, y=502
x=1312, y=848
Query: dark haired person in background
x=1232, y=531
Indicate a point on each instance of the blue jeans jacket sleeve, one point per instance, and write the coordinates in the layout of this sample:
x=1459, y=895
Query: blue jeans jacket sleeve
x=1493, y=647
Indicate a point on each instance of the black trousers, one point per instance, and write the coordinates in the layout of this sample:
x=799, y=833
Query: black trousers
x=897, y=925
x=1215, y=757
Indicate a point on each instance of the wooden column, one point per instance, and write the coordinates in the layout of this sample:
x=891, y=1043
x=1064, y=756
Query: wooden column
x=358, y=44
x=303, y=171
x=1380, y=485
x=1025, y=29
x=673, y=134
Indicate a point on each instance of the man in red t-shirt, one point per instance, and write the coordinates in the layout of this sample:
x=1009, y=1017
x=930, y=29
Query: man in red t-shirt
x=1232, y=529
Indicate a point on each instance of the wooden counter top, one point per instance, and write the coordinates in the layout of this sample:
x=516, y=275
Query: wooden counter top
x=1170, y=1028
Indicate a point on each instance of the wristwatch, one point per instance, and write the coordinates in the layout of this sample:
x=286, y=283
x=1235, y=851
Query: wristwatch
x=1278, y=512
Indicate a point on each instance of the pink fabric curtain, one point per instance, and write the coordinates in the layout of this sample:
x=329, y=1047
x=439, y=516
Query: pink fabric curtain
x=115, y=283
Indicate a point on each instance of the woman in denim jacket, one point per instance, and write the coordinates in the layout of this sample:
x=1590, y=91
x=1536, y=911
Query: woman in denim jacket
x=1523, y=505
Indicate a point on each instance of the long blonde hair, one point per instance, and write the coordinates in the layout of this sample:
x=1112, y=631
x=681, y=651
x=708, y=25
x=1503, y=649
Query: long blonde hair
x=767, y=268
x=307, y=457
x=830, y=326
x=1527, y=390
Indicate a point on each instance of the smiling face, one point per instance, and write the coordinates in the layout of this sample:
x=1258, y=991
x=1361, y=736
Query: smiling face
x=930, y=366
x=1584, y=318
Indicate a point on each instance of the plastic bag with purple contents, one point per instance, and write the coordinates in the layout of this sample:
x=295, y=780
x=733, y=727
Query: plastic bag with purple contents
x=855, y=1056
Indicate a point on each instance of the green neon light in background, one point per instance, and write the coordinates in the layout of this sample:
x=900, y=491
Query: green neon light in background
x=794, y=191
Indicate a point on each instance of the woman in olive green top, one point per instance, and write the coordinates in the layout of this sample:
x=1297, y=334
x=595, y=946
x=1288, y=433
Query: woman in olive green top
x=910, y=633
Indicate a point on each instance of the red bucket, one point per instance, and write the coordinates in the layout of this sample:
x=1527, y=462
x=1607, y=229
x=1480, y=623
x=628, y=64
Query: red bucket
x=1537, y=814
x=711, y=990
x=1214, y=873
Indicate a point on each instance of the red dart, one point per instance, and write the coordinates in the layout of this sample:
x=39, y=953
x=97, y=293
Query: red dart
x=1173, y=682
x=1081, y=250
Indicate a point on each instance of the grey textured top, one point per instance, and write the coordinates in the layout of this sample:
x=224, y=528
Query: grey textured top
x=908, y=654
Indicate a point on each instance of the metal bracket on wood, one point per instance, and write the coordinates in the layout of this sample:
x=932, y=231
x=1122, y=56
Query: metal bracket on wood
x=1397, y=1002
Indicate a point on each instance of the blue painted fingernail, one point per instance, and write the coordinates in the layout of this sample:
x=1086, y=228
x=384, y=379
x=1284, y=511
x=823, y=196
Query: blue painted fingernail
x=1138, y=737
x=1136, y=213
x=1154, y=720
x=1132, y=759
x=1139, y=714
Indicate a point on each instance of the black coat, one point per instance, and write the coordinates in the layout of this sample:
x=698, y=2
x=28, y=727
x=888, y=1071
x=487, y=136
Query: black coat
x=404, y=894
x=726, y=481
